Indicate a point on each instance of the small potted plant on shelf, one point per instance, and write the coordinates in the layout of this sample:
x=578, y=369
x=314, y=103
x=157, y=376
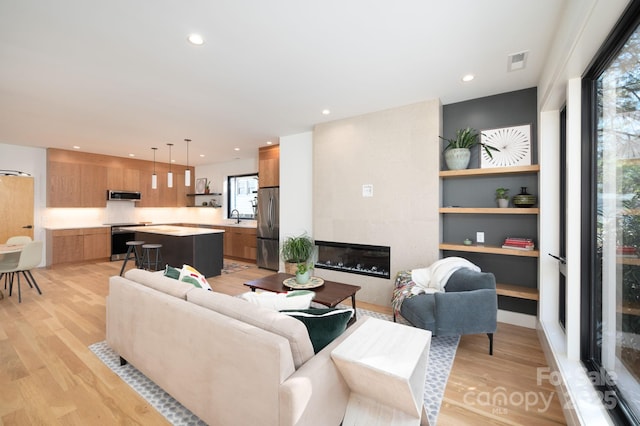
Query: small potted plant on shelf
x=296, y=253
x=207, y=188
x=458, y=151
x=502, y=196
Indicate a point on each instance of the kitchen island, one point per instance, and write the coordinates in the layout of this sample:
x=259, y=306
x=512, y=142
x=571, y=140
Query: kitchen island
x=201, y=248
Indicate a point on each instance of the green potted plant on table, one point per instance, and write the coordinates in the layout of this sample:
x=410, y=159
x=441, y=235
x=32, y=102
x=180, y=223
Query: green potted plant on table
x=298, y=251
x=502, y=196
x=458, y=151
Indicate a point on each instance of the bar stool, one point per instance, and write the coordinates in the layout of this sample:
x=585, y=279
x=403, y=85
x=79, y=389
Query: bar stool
x=147, y=250
x=132, y=249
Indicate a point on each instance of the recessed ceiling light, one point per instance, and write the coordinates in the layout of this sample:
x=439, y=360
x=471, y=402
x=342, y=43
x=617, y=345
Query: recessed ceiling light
x=236, y=149
x=202, y=155
x=269, y=142
x=132, y=155
x=76, y=147
x=467, y=78
x=195, y=39
x=326, y=112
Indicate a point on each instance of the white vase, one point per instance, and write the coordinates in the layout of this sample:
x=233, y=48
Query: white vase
x=457, y=158
x=502, y=203
x=302, y=278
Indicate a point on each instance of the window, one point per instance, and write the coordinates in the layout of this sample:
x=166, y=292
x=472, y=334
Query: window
x=610, y=343
x=242, y=195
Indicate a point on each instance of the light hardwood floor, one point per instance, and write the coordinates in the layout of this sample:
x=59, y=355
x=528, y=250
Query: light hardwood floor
x=48, y=375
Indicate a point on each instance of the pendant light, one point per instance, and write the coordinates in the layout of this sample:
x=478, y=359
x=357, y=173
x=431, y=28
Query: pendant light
x=170, y=175
x=154, y=177
x=187, y=172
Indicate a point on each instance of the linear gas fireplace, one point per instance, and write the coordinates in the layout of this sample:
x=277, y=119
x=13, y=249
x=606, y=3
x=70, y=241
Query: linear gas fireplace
x=361, y=259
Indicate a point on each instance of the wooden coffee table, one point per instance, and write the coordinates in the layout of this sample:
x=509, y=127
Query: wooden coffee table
x=329, y=294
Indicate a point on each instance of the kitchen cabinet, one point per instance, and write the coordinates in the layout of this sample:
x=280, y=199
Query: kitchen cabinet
x=477, y=217
x=63, y=184
x=269, y=166
x=239, y=243
x=77, y=179
x=96, y=243
x=78, y=245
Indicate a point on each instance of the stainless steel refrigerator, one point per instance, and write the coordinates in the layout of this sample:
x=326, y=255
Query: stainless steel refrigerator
x=268, y=228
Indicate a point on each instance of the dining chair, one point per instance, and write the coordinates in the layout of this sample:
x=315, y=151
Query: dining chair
x=30, y=257
x=19, y=239
x=11, y=258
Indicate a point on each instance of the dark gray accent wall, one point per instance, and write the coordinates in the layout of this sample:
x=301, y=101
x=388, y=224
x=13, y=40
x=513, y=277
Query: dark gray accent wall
x=504, y=110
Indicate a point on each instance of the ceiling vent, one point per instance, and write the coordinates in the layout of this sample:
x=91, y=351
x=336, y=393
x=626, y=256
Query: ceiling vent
x=517, y=61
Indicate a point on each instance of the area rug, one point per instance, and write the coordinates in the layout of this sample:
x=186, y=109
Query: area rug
x=231, y=267
x=441, y=355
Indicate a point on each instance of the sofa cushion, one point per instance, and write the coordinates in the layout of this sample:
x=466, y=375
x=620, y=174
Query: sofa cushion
x=296, y=299
x=324, y=325
x=419, y=310
x=275, y=322
x=158, y=281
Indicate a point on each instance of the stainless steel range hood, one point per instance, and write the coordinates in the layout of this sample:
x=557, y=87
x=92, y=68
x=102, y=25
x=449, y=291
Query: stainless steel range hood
x=115, y=195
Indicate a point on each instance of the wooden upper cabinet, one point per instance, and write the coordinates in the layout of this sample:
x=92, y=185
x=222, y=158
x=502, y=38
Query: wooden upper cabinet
x=269, y=166
x=76, y=179
x=63, y=184
x=93, y=185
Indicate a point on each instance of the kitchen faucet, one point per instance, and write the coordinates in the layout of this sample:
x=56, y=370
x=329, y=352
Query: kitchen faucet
x=238, y=214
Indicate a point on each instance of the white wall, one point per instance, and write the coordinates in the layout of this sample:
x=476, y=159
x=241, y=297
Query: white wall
x=398, y=152
x=296, y=186
x=584, y=27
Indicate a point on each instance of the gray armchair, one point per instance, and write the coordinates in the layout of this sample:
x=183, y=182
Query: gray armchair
x=469, y=305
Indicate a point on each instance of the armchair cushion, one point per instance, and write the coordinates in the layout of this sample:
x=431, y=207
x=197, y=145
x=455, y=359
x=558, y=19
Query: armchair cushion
x=467, y=306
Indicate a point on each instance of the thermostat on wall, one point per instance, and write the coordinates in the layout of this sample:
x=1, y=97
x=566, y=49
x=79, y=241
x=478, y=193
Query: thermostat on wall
x=367, y=190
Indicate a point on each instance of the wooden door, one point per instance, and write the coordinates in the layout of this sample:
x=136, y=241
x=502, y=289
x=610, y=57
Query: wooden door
x=16, y=206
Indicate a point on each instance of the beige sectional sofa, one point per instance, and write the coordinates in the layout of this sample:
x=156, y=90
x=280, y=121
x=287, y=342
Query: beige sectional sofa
x=229, y=361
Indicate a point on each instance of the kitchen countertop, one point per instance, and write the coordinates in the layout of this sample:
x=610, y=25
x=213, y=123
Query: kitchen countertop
x=175, y=231
x=242, y=224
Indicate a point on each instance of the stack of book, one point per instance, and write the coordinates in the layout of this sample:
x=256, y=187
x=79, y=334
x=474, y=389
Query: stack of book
x=518, y=243
x=626, y=251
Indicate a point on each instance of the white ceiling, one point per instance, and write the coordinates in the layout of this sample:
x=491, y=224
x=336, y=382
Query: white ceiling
x=118, y=77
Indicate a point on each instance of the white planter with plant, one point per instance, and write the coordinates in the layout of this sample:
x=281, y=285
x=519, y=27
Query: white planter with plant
x=298, y=251
x=458, y=151
x=502, y=197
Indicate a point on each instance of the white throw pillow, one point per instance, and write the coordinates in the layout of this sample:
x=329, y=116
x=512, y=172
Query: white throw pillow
x=296, y=299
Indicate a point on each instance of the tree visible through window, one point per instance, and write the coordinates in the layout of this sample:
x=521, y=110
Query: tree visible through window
x=242, y=195
x=612, y=339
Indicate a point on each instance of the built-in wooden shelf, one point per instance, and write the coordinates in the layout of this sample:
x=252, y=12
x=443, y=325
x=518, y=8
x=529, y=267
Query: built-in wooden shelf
x=491, y=171
x=489, y=210
x=517, y=291
x=489, y=249
x=630, y=309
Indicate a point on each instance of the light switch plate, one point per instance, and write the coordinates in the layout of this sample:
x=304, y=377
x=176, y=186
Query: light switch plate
x=480, y=237
x=367, y=190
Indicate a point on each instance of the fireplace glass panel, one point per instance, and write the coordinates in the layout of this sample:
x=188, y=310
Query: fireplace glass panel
x=354, y=258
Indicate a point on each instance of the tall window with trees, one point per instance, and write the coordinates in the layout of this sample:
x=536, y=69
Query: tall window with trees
x=611, y=225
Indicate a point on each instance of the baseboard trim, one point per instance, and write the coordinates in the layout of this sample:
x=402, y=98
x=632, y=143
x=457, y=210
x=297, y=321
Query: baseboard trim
x=516, y=318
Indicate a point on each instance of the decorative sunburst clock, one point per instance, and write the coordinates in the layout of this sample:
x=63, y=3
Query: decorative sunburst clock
x=513, y=144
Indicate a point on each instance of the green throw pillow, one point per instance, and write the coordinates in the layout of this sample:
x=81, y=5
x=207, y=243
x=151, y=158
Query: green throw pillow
x=323, y=325
x=171, y=272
